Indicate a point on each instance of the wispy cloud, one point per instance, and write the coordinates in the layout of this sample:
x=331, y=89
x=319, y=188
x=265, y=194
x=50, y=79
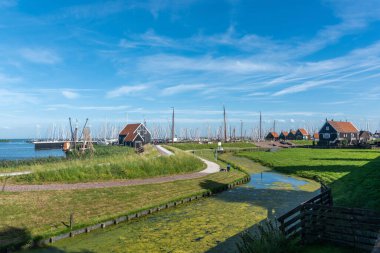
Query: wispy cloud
x=11, y=97
x=87, y=107
x=40, y=55
x=181, y=88
x=301, y=87
x=70, y=94
x=150, y=39
x=5, y=79
x=126, y=90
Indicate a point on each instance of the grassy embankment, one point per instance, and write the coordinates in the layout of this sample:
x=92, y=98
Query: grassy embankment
x=108, y=163
x=208, y=225
x=46, y=213
x=228, y=145
x=353, y=174
x=303, y=142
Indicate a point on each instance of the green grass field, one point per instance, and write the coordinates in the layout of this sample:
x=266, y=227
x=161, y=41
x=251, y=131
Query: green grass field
x=353, y=174
x=195, y=146
x=109, y=163
x=208, y=225
x=302, y=142
x=43, y=213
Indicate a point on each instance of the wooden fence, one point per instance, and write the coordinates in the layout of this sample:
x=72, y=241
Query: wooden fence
x=353, y=227
x=290, y=222
x=318, y=220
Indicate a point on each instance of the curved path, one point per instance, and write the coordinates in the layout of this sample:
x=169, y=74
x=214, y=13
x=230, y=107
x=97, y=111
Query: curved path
x=211, y=168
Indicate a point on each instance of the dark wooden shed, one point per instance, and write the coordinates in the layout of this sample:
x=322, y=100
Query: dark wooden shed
x=134, y=135
x=272, y=136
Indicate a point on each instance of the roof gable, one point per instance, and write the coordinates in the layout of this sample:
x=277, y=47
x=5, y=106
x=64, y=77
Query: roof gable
x=284, y=133
x=274, y=134
x=343, y=126
x=129, y=131
x=303, y=131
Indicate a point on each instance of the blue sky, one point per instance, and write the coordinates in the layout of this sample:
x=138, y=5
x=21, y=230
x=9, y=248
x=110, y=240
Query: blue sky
x=296, y=61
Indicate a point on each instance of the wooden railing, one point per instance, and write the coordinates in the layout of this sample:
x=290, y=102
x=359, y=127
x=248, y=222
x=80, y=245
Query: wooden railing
x=358, y=228
x=318, y=220
x=290, y=222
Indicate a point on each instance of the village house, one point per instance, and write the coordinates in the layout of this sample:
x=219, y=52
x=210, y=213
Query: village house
x=335, y=132
x=291, y=135
x=134, y=135
x=302, y=134
x=272, y=136
x=283, y=135
x=365, y=136
x=316, y=137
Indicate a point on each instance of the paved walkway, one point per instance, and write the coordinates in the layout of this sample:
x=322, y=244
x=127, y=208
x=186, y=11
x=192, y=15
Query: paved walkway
x=163, y=151
x=211, y=168
x=12, y=174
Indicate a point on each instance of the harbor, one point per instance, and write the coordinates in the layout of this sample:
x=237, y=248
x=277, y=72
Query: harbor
x=21, y=149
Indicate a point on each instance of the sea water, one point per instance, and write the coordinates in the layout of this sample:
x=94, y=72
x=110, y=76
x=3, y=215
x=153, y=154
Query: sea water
x=22, y=150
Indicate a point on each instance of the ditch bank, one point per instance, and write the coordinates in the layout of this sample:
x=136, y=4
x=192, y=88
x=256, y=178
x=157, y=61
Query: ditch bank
x=87, y=228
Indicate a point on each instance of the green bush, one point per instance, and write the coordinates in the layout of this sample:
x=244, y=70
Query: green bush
x=267, y=238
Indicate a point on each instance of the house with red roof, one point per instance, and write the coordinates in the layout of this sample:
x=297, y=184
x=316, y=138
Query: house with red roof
x=335, y=132
x=291, y=135
x=302, y=134
x=283, y=135
x=272, y=136
x=134, y=135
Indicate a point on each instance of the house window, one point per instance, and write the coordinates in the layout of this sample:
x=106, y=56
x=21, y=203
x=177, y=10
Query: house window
x=327, y=128
x=326, y=136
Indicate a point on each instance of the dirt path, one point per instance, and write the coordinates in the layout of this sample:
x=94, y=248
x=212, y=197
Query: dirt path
x=210, y=168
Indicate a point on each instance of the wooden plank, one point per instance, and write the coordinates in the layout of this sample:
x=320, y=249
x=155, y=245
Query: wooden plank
x=292, y=220
x=288, y=214
x=354, y=236
x=347, y=243
x=353, y=231
x=347, y=210
x=375, y=223
x=293, y=228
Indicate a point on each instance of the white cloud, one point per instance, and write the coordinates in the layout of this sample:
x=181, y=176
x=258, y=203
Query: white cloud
x=126, y=90
x=149, y=39
x=70, y=94
x=87, y=107
x=5, y=79
x=181, y=88
x=165, y=62
x=40, y=55
x=11, y=97
x=301, y=87
x=258, y=94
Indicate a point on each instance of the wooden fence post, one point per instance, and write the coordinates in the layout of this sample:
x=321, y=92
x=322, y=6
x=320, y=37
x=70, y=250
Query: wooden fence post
x=71, y=220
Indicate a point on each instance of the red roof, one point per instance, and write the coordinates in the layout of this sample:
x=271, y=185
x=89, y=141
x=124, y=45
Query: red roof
x=130, y=131
x=285, y=133
x=293, y=132
x=274, y=134
x=316, y=135
x=343, y=126
x=303, y=131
